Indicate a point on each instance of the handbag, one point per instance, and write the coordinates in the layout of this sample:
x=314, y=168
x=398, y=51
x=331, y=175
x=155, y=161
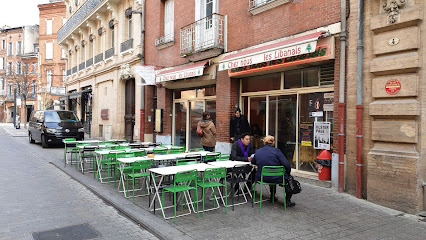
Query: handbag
x=199, y=131
x=292, y=186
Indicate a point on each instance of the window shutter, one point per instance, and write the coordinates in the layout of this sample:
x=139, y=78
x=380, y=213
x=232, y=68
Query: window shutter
x=48, y=27
x=1, y=63
x=169, y=19
x=198, y=10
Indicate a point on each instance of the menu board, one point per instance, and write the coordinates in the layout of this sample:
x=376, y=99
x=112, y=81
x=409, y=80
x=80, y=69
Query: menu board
x=306, y=133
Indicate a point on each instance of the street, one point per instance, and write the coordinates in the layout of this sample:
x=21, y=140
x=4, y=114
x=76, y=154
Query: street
x=37, y=196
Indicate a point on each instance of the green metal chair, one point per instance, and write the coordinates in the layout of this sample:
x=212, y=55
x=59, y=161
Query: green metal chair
x=196, y=149
x=138, y=152
x=186, y=161
x=269, y=171
x=211, y=179
x=160, y=150
x=181, y=184
x=69, y=149
x=211, y=157
x=224, y=157
x=140, y=170
x=174, y=150
x=111, y=163
x=81, y=154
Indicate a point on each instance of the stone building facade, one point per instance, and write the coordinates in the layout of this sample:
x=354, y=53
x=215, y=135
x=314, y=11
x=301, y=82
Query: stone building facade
x=102, y=40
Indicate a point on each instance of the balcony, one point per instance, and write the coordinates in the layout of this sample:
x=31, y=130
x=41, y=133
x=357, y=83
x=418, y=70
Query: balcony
x=81, y=66
x=77, y=18
x=127, y=45
x=74, y=69
x=109, y=53
x=99, y=58
x=164, y=41
x=89, y=62
x=258, y=6
x=204, y=38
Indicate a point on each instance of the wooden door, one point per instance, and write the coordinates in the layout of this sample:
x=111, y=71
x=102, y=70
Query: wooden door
x=129, y=116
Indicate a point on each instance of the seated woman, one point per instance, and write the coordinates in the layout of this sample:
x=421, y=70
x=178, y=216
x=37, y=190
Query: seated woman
x=271, y=156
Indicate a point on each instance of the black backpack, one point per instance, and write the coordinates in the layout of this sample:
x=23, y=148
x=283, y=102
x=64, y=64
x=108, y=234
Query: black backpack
x=292, y=186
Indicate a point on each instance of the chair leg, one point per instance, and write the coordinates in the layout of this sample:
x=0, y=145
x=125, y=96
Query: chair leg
x=203, y=199
x=174, y=204
x=196, y=199
x=232, y=195
x=260, y=203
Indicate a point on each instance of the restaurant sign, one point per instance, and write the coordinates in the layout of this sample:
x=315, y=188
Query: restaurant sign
x=187, y=73
x=320, y=52
x=271, y=55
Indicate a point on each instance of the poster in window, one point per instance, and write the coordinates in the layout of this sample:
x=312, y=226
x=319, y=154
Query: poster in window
x=306, y=129
x=322, y=135
x=329, y=102
x=315, y=104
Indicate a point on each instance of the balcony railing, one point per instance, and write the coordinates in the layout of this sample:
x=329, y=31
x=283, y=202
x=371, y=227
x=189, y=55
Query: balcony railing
x=81, y=66
x=109, y=53
x=77, y=18
x=203, y=34
x=74, y=69
x=89, y=62
x=99, y=58
x=126, y=45
x=68, y=72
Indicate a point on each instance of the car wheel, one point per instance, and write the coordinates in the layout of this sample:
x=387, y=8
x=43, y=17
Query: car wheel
x=30, y=138
x=43, y=142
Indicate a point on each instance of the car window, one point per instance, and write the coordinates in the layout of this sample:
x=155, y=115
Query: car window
x=41, y=116
x=36, y=116
x=60, y=117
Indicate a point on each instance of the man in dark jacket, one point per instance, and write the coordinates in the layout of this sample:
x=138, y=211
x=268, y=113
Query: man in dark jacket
x=271, y=156
x=238, y=125
x=242, y=149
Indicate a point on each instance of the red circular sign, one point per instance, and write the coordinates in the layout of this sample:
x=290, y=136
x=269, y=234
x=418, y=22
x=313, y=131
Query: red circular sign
x=393, y=87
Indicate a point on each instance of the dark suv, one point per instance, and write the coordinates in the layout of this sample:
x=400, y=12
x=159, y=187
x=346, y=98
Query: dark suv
x=51, y=126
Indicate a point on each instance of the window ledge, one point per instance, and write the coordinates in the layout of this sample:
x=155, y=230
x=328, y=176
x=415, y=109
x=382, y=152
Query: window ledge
x=267, y=6
x=97, y=64
x=165, y=44
x=127, y=52
x=108, y=59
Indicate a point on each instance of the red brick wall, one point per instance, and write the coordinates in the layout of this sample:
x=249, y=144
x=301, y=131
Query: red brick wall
x=226, y=100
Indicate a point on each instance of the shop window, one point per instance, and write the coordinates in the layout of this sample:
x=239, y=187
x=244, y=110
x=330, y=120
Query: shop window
x=301, y=78
x=293, y=79
x=262, y=83
x=310, y=77
x=206, y=92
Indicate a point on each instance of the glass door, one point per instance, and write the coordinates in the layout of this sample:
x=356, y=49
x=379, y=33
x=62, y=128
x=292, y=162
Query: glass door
x=195, y=115
x=181, y=108
x=257, y=119
x=282, y=124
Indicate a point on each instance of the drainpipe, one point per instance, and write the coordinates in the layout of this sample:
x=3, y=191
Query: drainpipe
x=359, y=106
x=342, y=82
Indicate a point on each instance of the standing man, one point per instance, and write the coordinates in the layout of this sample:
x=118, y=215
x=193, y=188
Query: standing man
x=238, y=125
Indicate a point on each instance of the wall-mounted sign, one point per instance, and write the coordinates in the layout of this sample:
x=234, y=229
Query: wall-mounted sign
x=322, y=135
x=104, y=114
x=393, y=87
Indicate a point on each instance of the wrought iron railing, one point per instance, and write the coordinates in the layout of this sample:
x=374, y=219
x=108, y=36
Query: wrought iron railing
x=99, y=57
x=203, y=34
x=74, y=69
x=77, y=18
x=81, y=66
x=109, y=53
x=68, y=72
x=89, y=62
x=164, y=39
x=126, y=45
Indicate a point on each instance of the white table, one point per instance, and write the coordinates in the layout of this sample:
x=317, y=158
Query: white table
x=168, y=171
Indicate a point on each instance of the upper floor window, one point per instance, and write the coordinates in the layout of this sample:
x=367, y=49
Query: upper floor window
x=169, y=20
x=128, y=15
x=26, y=68
x=34, y=68
x=9, y=70
x=19, y=68
x=49, y=50
x=48, y=79
x=10, y=52
x=3, y=44
x=64, y=54
x=18, y=48
x=48, y=27
x=1, y=63
x=33, y=87
x=111, y=26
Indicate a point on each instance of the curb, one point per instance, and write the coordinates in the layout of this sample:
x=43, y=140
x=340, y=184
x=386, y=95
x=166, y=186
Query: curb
x=140, y=216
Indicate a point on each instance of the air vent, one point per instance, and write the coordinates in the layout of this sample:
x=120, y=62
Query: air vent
x=327, y=75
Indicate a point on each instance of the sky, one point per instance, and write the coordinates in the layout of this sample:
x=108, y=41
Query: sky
x=17, y=13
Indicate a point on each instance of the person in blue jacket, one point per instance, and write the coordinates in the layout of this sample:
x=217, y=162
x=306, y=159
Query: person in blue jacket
x=271, y=156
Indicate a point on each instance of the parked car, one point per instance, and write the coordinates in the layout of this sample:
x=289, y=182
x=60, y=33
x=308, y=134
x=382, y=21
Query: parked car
x=51, y=126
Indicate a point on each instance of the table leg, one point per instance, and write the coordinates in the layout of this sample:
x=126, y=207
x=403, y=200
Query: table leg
x=157, y=194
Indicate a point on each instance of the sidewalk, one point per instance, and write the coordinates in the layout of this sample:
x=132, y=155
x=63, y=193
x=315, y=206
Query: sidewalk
x=320, y=213
x=8, y=127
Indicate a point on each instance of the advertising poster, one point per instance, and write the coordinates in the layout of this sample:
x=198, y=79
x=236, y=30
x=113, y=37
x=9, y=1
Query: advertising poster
x=322, y=135
x=306, y=133
x=315, y=104
x=328, y=102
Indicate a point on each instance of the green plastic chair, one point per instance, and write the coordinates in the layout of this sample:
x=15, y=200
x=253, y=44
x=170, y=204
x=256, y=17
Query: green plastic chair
x=81, y=155
x=211, y=179
x=181, y=184
x=196, y=149
x=269, y=171
x=160, y=150
x=186, y=161
x=138, y=152
x=111, y=163
x=174, y=150
x=224, y=157
x=106, y=143
x=140, y=170
x=211, y=157
x=69, y=150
